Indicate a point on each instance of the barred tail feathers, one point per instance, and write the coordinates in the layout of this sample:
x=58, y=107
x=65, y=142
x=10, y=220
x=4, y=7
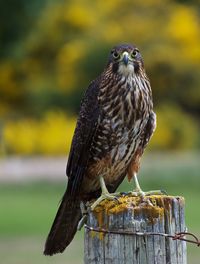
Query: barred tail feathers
x=64, y=226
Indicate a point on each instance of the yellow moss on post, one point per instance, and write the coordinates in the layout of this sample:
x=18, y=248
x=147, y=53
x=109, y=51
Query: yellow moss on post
x=160, y=214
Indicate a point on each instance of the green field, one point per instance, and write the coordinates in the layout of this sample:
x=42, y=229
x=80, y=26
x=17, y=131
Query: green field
x=27, y=210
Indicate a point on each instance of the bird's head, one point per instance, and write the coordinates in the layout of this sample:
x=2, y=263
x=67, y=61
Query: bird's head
x=126, y=59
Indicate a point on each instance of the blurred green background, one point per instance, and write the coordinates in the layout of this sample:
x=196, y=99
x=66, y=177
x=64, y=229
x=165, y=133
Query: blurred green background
x=49, y=52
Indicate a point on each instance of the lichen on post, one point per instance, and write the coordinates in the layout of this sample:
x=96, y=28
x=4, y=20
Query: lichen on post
x=159, y=214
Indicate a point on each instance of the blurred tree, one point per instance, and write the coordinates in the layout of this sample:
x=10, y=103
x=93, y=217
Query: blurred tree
x=51, y=50
x=17, y=18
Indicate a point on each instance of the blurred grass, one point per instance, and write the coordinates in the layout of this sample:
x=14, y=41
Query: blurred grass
x=27, y=209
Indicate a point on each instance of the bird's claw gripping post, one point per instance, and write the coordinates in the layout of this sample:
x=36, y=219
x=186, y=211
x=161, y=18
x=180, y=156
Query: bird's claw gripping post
x=104, y=195
x=143, y=195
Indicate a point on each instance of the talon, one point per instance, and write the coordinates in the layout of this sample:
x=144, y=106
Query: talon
x=148, y=202
x=132, y=193
x=117, y=200
x=155, y=192
x=124, y=193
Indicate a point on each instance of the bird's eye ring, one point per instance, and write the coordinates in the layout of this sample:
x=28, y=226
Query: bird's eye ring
x=134, y=53
x=115, y=55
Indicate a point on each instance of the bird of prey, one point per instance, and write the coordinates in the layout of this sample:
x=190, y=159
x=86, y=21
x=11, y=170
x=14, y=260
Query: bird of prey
x=115, y=123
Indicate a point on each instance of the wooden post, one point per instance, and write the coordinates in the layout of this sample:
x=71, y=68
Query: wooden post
x=165, y=214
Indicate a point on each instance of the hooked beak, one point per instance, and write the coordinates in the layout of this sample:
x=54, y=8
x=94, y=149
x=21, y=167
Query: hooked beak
x=125, y=58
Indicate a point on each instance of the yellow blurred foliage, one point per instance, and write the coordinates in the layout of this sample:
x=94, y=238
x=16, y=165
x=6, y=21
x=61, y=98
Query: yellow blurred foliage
x=67, y=59
x=8, y=79
x=175, y=130
x=51, y=135
x=183, y=27
x=79, y=14
x=183, y=24
x=67, y=46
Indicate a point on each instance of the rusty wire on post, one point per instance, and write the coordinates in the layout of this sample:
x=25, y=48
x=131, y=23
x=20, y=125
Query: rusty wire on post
x=177, y=236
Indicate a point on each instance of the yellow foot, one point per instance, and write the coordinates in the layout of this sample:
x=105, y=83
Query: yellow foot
x=140, y=193
x=104, y=196
x=144, y=195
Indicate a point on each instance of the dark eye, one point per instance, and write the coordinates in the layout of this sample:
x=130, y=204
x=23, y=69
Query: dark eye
x=115, y=55
x=134, y=53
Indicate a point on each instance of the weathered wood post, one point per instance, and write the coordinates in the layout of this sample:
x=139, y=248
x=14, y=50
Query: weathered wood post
x=165, y=215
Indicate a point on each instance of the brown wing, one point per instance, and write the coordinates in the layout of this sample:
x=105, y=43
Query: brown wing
x=65, y=224
x=84, y=133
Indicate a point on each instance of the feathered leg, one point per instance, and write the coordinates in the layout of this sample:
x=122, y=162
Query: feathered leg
x=138, y=191
x=132, y=173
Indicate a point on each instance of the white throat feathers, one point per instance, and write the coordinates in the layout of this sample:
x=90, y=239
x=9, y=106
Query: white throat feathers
x=126, y=70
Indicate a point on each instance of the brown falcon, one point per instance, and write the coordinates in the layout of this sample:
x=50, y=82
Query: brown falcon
x=115, y=123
